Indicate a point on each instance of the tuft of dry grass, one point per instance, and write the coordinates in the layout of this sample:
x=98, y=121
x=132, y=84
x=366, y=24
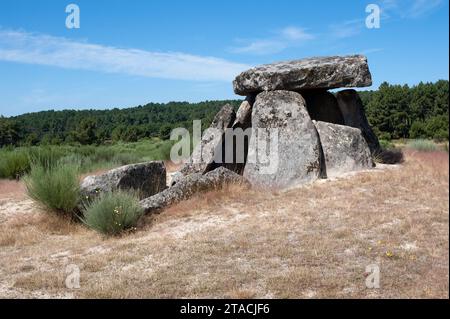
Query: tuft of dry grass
x=310, y=242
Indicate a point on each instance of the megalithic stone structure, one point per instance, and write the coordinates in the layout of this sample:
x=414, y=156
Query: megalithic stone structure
x=319, y=132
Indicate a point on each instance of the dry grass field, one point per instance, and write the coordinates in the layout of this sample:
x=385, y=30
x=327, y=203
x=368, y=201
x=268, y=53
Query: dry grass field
x=310, y=242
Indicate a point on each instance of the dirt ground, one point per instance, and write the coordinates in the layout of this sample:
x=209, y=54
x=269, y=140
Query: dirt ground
x=311, y=242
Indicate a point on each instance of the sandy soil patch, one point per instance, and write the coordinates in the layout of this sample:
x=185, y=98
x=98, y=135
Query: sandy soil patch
x=311, y=242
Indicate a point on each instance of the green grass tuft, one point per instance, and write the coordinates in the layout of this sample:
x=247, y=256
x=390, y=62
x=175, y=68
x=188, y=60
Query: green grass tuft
x=113, y=212
x=13, y=163
x=55, y=188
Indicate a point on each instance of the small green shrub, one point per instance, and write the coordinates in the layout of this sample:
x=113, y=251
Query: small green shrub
x=113, y=212
x=422, y=145
x=13, y=164
x=55, y=187
x=46, y=156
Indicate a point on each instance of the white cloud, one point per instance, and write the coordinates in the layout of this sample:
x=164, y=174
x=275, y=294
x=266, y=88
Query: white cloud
x=296, y=34
x=23, y=47
x=370, y=51
x=285, y=38
x=261, y=47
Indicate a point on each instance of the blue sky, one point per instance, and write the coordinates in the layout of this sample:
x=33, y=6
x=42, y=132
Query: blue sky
x=127, y=53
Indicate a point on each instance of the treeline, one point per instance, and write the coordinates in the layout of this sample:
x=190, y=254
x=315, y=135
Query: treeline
x=394, y=111
x=400, y=111
x=105, y=126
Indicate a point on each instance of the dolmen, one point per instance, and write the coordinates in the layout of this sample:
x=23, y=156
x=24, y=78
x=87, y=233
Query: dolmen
x=294, y=129
x=290, y=130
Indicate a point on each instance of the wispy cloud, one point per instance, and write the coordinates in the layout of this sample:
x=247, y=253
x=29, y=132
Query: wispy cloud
x=409, y=8
x=287, y=37
x=370, y=51
x=347, y=29
x=296, y=34
x=423, y=7
x=389, y=8
x=260, y=47
x=24, y=47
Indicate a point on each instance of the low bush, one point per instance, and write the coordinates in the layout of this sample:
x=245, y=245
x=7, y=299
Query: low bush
x=113, y=212
x=55, y=187
x=13, y=164
x=435, y=127
x=46, y=156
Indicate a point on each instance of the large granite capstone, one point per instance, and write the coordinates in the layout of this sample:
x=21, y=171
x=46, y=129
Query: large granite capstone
x=312, y=73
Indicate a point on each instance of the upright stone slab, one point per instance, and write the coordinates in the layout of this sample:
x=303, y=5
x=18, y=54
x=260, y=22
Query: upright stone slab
x=344, y=147
x=352, y=110
x=311, y=73
x=323, y=106
x=203, y=157
x=293, y=155
x=244, y=113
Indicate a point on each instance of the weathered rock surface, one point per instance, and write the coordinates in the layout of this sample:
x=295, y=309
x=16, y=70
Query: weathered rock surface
x=145, y=178
x=352, y=110
x=190, y=185
x=311, y=73
x=293, y=155
x=323, y=106
x=237, y=140
x=344, y=147
x=203, y=156
x=244, y=113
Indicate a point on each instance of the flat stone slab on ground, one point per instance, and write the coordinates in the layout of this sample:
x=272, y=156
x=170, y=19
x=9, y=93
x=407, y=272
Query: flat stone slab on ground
x=188, y=186
x=145, y=178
